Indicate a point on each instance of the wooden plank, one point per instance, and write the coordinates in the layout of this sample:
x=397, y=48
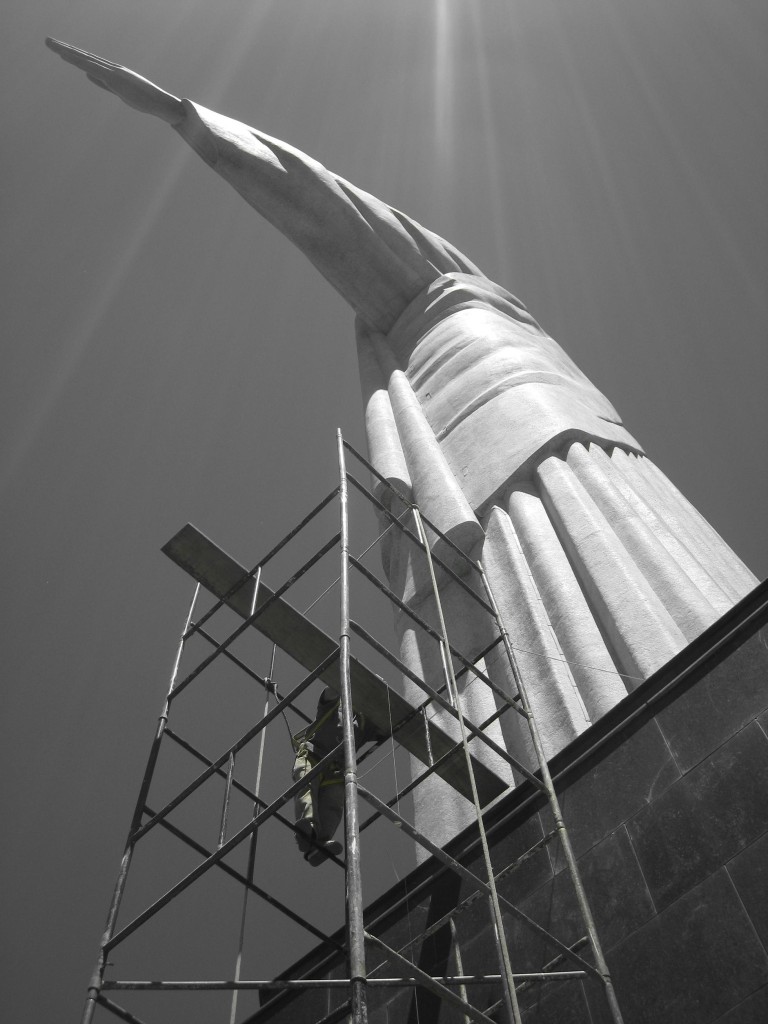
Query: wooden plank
x=309, y=646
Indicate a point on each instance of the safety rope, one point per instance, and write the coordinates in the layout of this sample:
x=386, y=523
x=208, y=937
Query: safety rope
x=303, y=735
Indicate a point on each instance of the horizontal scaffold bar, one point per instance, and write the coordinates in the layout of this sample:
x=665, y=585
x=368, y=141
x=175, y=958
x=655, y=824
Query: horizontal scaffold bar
x=277, y=984
x=300, y=638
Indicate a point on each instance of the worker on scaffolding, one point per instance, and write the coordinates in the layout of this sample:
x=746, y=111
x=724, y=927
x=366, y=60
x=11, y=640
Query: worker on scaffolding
x=320, y=806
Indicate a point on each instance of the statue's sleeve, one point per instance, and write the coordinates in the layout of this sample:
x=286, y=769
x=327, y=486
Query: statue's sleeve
x=375, y=257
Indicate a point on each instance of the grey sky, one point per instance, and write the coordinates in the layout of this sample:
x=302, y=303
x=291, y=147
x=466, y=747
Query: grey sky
x=170, y=358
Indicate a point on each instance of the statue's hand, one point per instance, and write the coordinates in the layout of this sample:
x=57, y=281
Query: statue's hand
x=132, y=89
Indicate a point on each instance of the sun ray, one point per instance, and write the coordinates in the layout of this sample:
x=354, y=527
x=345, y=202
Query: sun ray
x=444, y=101
x=680, y=155
x=498, y=203
x=74, y=348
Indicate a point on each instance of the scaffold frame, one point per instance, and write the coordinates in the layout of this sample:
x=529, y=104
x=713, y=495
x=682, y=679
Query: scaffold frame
x=332, y=662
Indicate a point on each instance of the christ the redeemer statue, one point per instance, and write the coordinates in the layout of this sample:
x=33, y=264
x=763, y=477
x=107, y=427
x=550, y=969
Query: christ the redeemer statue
x=601, y=568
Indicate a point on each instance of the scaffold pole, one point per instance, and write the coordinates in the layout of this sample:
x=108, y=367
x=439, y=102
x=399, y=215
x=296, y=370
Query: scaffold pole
x=97, y=978
x=354, y=881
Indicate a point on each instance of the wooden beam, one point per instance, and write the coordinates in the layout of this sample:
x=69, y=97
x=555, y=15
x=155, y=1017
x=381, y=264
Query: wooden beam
x=281, y=623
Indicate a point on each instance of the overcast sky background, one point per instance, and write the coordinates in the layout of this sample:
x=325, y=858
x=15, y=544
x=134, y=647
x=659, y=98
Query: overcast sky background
x=169, y=358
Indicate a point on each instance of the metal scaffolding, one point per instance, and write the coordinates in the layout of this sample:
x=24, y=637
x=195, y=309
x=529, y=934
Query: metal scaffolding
x=450, y=745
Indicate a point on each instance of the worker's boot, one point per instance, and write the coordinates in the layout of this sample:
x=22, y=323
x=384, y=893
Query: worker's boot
x=322, y=850
x=304, y=835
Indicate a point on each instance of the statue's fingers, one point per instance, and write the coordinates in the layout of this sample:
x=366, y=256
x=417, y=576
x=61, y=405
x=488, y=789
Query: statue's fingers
x=68, y=52
x=57, y=45
x=80, y=58
x=138, y=92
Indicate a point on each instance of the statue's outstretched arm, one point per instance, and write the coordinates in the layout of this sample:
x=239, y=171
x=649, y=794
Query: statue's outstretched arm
x=377, y=258
x=137, y=92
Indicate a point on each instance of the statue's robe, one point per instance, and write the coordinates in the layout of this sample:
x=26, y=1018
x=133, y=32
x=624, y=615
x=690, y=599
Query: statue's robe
x=601, y=569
